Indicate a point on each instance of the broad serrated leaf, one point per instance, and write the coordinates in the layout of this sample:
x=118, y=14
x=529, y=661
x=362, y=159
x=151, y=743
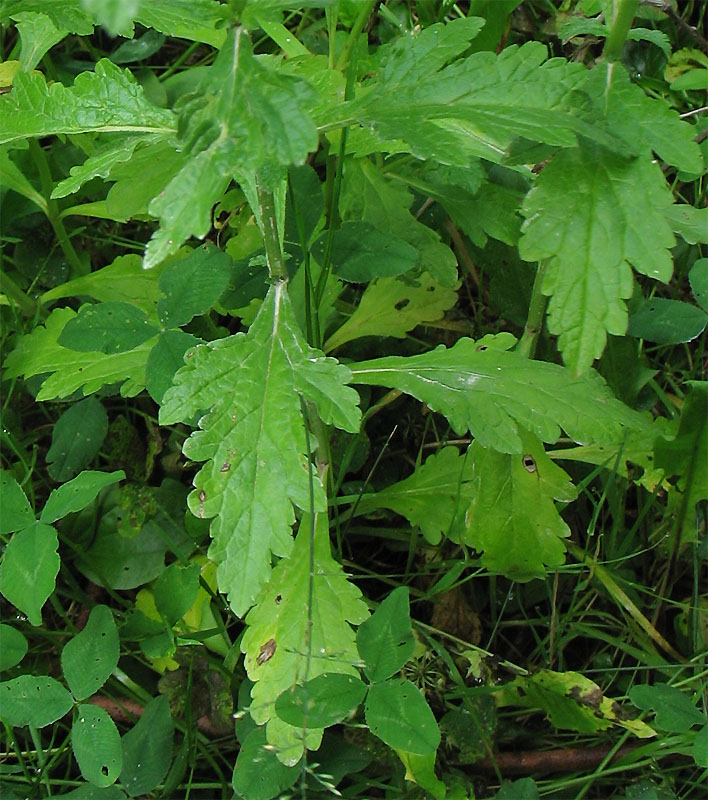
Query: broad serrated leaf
x=38, y=34
x=278, y=653
x=116, y=16
x=496, y=394
x=254, y=438
x=78, y=493
x=195, y=20
x=38, y=353
x=385, y=640
x=29, y=568
x=147, y=749
x=511, y=519
x=110, y=328
x=397, y=713
x=96, y=744
x=247, y=115
x=592, y=214
x=89, y=658
x=369, y=196
x=434, y=497
x=68, y=14
x=124, y=280
x=108, y=99
x=76, y=439
x=392, y=307
x=15, y=510
x=30, y=700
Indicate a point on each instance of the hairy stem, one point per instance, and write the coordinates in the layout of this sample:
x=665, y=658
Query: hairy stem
x=623, y=13
x=534, y=321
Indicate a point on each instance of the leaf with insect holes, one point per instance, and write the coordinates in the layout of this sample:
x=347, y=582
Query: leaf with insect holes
x=253, y=438
x=592, y=214
x=106, y=99
x=39, y=352
x=246, y=115
x=277, y=652
x=512, y=519
x=392, y=307
x=496, y=394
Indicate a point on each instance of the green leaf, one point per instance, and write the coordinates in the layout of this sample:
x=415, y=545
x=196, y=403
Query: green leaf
x=369, y=196
x=254, y=439
x=397, y=713
x=385, y=640
x=247, y=115
x=124, y=280
x=107, y=328
x=323, y=701
x=421, y=770
x=107, y=99
x=96, y=744
x=38, y=35
x=139, y=48
x=176, y=590
x=674, y=710
x=276, y=644
x=392, y=307
x=667, y=321
x=592, y=214
x=16, y=511
x=78, y=493
x=258, y=774
x=29, y=569
x=192, y=285
x=67, y=14
x=13, y=647
x=698, y=278
x=521, y=789
x=12, y=177
x=690, y=223
x=434, y=497
x=512, y=519
x=87, y=791
x=89, y=658
x=30, y=700
x=116, y=16
x=495, y=394
x=360, y=252
x=571, y=701
x=38, y=352
x=147, y=749
x=165, y=358
x=76, y=439
x=196, y=20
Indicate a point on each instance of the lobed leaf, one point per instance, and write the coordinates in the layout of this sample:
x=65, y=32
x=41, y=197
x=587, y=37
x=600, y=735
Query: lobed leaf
x=496, y=394
x=254, y=440
x=299, y=631
x=592, y=214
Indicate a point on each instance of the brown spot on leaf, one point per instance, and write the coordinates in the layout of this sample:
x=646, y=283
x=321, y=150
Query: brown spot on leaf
x=266, y=652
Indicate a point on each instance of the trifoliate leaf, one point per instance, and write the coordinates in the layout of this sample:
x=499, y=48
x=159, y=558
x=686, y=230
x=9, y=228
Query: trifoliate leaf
x=512, y=520
x=254, y=438
x=592, y=214
x=434, y=497
x=278, y=653
x=33, y=108
x=246, y=116
x=392, y=307
x=39, y=352
x=496, y=394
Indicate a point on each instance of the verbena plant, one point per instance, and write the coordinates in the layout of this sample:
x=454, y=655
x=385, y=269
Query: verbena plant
x=327, y=172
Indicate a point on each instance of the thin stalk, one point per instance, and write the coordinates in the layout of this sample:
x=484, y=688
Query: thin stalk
x=357, y=27
x=534, y=321
x=274, y=254
x=78, y=268
x=623, y=13
x=26, y=304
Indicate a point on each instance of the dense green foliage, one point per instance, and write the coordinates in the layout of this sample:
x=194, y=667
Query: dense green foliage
x=354, y=414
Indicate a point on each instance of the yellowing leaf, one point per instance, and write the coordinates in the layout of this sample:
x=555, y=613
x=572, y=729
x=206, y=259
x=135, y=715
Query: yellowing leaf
x=289, y=641
x=253, y=438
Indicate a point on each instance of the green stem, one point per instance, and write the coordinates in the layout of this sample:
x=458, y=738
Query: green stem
x=357, y=27
x=274, y=254
x=534, y=321
x=26, y=304
x=623, y=13
x=78, y=268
